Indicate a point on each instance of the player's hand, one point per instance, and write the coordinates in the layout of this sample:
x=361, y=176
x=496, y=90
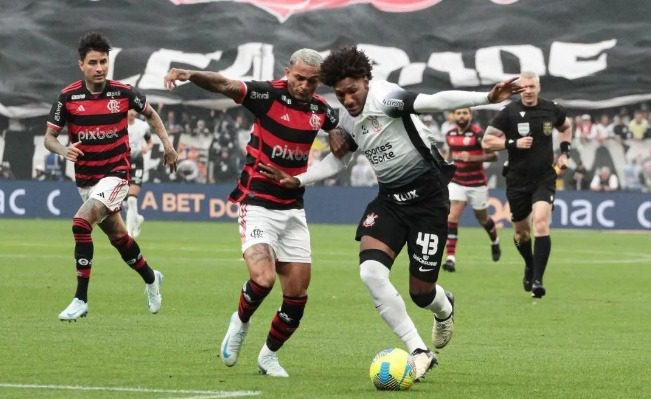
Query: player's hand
x=504, y=89
x=74, y=152
x=338, y=144
x=462, y=156
x=562, y=161
x=170, y=157
x=283, y=178
x=524, y=143
x=173, y=75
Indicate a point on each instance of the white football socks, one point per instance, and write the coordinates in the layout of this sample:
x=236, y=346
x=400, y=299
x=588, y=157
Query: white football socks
x=440, y=306
x=132, y=213
x=389, y=303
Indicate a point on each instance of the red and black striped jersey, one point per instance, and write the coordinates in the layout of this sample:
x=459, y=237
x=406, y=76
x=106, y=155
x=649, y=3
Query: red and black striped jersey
x=282, y=135
x=468, y=173
x=99, y=122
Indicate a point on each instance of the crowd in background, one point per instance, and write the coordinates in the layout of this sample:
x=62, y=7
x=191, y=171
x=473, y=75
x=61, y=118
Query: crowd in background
x=611, y=149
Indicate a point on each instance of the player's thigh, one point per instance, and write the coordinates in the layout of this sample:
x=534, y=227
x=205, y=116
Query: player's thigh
x=478, y=197
x=519, y=197
x=382, y=222
x=293, y=244
x=110, y=191
x=426, y=241
x=257, y=225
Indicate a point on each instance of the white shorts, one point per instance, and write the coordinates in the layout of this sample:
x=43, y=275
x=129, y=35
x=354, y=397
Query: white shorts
x=110, y=191
x=284, y=230
x=477, y=197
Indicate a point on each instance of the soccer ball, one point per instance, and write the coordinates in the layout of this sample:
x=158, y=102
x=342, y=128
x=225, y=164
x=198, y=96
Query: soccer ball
x=392, y=370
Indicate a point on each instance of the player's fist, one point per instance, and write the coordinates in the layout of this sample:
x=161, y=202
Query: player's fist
x=173, y=75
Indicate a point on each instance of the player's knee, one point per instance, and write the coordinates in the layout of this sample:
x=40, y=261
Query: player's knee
x=521, y=236
x=423, y=300
x=81, y=226
x=374, y=266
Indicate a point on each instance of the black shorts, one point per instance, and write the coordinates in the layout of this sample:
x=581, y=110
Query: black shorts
x=421, y=222
x=523, y=192
x=137, y=170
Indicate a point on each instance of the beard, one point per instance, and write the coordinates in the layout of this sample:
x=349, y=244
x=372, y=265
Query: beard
x=463, y=124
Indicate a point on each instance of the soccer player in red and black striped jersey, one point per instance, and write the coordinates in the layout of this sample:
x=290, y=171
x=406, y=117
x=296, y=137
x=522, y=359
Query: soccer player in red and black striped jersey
x=95, y=112
x=468, y=184
x=273, y=228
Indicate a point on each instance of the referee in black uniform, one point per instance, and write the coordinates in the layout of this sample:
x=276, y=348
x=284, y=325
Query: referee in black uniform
x=524, y=129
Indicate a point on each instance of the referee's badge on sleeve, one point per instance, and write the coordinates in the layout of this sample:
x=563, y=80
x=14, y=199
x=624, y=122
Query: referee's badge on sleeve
x=523, y=129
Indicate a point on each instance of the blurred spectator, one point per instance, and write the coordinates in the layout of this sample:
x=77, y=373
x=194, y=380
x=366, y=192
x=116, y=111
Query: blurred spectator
x=604, y=180
x=171, y=123
x=5, y=171
x=639, y=125
x=577, y=179
x=646, y=175
x=604, y=128
x=585, y=129
x=620, y=128
x=632, y=177
x=54, y=167
x=362, y=174
x=226, y=167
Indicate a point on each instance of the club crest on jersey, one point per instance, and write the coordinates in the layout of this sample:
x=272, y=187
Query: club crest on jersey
x=375, y=124
x=113, y=106
x=370, y=219
x=547, y=128
x=523, y=129
x=315, y=122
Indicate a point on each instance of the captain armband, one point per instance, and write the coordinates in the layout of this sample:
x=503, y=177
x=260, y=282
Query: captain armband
x=565, y=148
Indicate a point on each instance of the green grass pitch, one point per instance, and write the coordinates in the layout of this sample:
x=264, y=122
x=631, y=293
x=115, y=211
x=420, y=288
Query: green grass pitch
x=590, y=337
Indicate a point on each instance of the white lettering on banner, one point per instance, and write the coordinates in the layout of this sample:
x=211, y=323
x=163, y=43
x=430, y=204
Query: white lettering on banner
x=601, y=218
x=12, y=202
x=641, y=218
x=50, y=202
x=255, y=61
x=255, y=57
x=577, y=60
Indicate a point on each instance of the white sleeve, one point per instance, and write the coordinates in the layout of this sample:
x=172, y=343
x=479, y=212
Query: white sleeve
x=450, y=99
x=327, y=167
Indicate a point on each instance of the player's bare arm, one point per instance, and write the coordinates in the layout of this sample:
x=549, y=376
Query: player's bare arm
x=338, y=144
x=52, y=143
x=170, y=156
x=211, y=81
x=565, y=138
x=495, y=140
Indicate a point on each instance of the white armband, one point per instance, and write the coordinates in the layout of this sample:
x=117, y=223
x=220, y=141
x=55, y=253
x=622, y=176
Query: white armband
x=327, y=167
x=450, y=99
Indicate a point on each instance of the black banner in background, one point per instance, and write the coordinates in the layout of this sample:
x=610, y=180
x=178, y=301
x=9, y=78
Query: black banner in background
x=589, y=54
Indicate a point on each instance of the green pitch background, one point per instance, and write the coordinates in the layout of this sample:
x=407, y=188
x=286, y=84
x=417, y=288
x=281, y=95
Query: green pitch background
x=589, y=338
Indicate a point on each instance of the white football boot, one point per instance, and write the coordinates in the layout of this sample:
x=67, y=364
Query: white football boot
x=423, y=361
x=232, y=342
x=268, y=363
x=442, y=329
x=75, y=310
x=154, y=297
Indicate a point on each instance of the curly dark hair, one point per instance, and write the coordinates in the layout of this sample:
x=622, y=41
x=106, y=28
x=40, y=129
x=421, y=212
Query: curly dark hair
x=345, y=62
x=93, y=41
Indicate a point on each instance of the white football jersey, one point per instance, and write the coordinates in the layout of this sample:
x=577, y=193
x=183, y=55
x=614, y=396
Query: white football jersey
x=384, y=140
x=138, y=130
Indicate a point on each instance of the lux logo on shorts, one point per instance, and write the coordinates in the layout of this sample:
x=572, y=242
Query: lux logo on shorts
x=428, y=242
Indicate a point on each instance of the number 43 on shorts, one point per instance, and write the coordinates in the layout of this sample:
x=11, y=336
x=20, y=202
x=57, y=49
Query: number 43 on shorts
x=428, y=242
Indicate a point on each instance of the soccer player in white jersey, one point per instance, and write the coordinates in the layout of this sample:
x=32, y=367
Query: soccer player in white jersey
x=412, y=204
x=140, y=143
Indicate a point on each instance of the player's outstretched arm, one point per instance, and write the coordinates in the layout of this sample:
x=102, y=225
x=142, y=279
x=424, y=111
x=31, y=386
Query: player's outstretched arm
x=170, y=156
x=211, y=81
x=327, y=167
x=452, y=99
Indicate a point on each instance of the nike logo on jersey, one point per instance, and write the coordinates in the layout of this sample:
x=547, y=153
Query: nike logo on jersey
x=424, y=270
x=522, y=113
